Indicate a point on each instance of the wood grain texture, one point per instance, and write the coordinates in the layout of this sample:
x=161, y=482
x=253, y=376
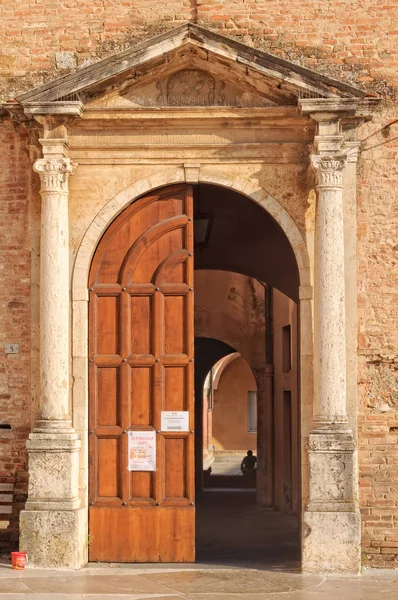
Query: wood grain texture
x=149, y=535
x=141, y=351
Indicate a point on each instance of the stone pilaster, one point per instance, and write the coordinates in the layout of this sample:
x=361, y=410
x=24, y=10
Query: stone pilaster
x=331, y=523
x=51, y=521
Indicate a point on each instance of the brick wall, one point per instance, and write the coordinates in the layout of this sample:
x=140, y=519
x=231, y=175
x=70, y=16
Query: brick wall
x=40, y=40
x=15, y=309
x=358, y=43
x=377, y=342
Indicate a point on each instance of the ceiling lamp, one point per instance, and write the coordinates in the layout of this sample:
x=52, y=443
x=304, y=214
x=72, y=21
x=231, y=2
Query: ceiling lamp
x=201, y=230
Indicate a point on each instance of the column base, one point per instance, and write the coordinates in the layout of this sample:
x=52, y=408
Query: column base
x=53, y=449
x=53, y=526
x=54, y=539
x=331, y=542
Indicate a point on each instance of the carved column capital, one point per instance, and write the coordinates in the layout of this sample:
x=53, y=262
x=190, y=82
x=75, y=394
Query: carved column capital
x=54, y=173
x=329, y=170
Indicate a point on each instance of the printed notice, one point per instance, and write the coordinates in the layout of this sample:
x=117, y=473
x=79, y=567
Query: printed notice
x=142, y=451
x=174, y=420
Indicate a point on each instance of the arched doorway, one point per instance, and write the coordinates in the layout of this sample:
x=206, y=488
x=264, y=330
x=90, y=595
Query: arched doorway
x=142, y=277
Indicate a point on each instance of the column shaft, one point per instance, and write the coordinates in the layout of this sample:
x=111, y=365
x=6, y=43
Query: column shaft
x=329, y=293
x=54, y=289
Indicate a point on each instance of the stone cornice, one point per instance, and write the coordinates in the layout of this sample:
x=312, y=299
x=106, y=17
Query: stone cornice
x=326, y=109
x=67, y=108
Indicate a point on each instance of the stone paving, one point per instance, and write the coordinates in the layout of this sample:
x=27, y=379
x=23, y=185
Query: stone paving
x=191, y=582
x=243, y=553
x=227, y=464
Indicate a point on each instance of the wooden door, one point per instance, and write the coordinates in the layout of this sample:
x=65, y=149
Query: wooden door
x=141, y=363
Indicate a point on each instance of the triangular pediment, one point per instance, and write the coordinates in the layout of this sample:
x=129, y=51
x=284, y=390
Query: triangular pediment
x=190, y=66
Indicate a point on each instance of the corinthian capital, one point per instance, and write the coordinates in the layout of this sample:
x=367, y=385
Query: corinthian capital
x=54, y=173
x=329, y=170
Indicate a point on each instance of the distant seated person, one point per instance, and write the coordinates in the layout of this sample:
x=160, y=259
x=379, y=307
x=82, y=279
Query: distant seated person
x=249, y=464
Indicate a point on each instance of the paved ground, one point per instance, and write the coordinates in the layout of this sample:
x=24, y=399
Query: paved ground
x=198, y=582
x=243, y=552
x=227, y=464
x=231, y=529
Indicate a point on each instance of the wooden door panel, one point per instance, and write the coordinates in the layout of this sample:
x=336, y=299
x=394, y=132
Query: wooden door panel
x=141, y=386
x=175, y=388
x=175, y=455
x=108, y=409
x=108, y=457
x=107, y=310
x=142, y=486
x=148, y=535
x=141, y=362
x=142, y=333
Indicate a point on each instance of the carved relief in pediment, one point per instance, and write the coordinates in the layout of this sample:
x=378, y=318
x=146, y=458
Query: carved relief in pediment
x=187, y=87
x=191, y=87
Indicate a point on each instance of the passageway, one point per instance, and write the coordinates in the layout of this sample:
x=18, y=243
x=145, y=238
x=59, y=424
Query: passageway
x=241, y=318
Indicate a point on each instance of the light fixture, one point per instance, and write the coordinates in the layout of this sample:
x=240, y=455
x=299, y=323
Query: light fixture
x=201, y=229
x=202, y=223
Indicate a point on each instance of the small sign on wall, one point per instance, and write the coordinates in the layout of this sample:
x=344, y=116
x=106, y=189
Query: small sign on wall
x=174, y=420
x=11, y=349
x=142, y=451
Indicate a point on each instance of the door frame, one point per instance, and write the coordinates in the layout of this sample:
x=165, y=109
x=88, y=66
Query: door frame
x=163, y=178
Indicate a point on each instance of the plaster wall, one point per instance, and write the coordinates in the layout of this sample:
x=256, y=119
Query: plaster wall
x=230, y=307
x=230, y=412
x=286, y=405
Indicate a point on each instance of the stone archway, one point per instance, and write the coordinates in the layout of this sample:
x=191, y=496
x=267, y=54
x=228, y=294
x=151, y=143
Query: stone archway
x=79, y=290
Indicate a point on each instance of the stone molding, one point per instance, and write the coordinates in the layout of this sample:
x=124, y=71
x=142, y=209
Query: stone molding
x=352, y=151
x=306, y=292
x=191, y=172
x=159, y=179
x=325, y=109
x=54, y=174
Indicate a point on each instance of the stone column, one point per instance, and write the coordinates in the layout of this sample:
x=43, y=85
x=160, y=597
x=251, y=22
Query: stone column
x=54, y=292
x=50, y=523
x=331, y=522
x=329, y=293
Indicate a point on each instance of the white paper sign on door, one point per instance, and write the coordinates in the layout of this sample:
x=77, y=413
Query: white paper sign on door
x=142, y=451
x=174, y=420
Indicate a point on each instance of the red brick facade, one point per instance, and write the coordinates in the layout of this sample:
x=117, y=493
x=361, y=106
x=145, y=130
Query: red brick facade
x=15, y=317
x=357, y=44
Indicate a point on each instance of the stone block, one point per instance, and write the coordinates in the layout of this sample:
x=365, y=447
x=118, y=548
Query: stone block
x=331, y=471
x=331, y=542
x=66, y=60
x=53, y=468
x=54, y=539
